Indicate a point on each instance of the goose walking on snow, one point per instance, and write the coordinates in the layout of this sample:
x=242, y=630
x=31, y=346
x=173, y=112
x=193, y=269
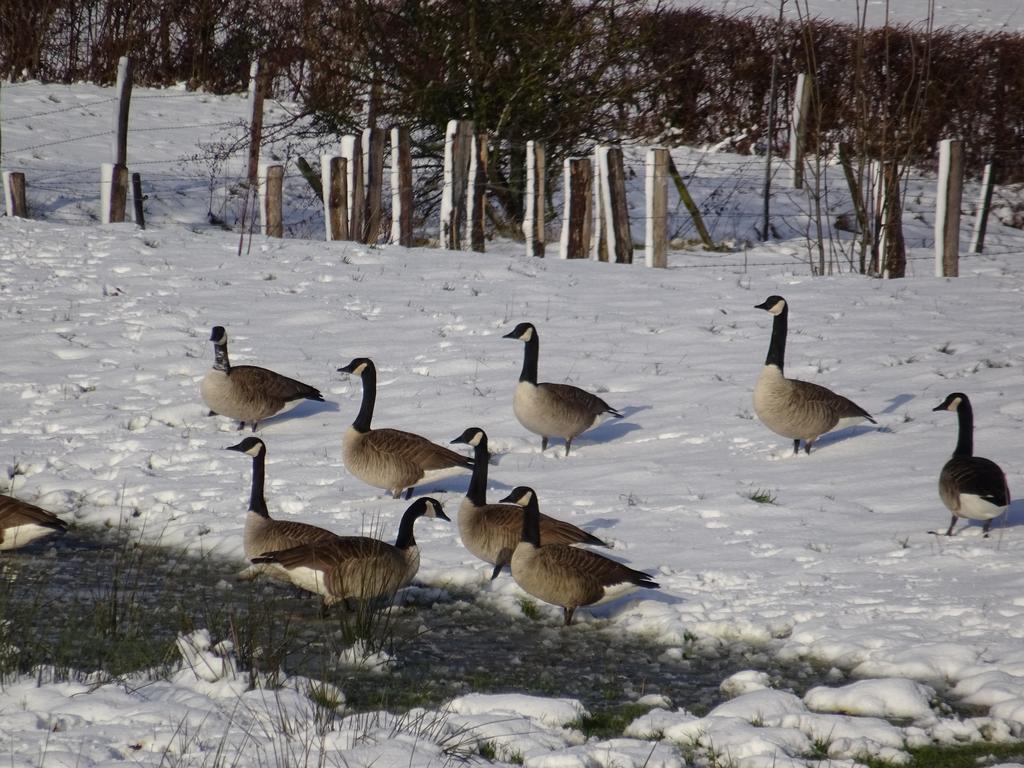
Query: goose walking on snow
x=793, y=408
x=22, y=523
x=562, y=575
x=358, y=567
x=390, y=458
x=262, y=532
x=552, y=410
x=970, y=486
x=248, y=393
x=491, y=531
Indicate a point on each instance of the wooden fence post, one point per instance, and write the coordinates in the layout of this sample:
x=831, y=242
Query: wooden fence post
x=14, y=194
x=577, y=217
x=533, y=200
x=798, y=128
x=352, y=151
x=140, y=213
x=947, y=213
x=457, y=156
x=656, y=187
x=615, y=209
x=374, y=142
x=476, y=199
x=984, y=206
x=334, y=183
x=892, y=250
x=113, y=192
x=271, y=186
x=401, y=186
x=599, y=241
x=124, y=98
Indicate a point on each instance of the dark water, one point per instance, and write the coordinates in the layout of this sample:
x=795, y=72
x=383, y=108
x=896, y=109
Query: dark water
x=92, y=600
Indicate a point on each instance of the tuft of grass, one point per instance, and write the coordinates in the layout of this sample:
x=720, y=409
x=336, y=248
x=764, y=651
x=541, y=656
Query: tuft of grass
x=761, y=496
x=530, y=609
x=609, y=723
x=959, y=756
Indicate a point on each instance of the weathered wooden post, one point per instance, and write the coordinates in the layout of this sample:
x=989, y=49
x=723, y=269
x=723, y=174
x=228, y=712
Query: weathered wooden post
x=476, y=199
x=114, y=180
x=352, y=151
x=947, y=213
x=533, y=200
x=656, y=184
x=798, y=128
x=616, y=208
x=578, y=216
x=892, y=248
x=140, y=213
x=334, y=182
x=984, y=206
x=271, y=186
x=15, y=201
x=374, y=140
x=458, y=143
x=401, y=187
x=599, y=242
x=257, y=93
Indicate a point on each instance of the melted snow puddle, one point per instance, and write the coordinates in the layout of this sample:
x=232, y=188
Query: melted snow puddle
x=445, y=646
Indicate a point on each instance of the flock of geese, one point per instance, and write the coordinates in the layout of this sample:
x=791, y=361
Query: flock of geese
x=548, y=558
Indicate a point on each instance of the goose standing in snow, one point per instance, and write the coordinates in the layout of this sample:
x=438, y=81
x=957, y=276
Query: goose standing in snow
x=358, y=567
x=262, y=532
x=563, y=575
x=492, y=531
x=22, y=523
x=793, y=408
x=552, y=410
x=970, y=486
x=248, y=393
x=389, y=458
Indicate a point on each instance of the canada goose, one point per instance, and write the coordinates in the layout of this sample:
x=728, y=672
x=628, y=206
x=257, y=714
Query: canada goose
x=247, y=392
x=970, y=486
x=564, y=575
x=22, y=523
x=552, y=410
x=262, y=532
x=389, y=458
x=358, y=567
x=791, y=407
x=491, y=531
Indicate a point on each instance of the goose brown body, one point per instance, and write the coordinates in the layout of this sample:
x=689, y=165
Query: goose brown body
x=391, y=459
x=970, y=486
x=552, y=410
x=492, y=531
x=248, y=393
x=357, y=567
x=564, y=575
x=799, y=410
x=262, y=532
x=22, y=523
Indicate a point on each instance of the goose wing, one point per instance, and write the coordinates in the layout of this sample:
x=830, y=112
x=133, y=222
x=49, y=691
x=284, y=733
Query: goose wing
x=415, y=450
x=977, y=476
x=14, y=512
x=572, y=400
x=592, y=569
x=824, y=400
x=262, y=382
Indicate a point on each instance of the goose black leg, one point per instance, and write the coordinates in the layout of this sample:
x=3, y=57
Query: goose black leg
x=952, y=525
x=796, y=447
x=543, y=443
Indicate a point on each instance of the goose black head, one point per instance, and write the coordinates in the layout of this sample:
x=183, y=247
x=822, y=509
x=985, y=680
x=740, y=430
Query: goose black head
x=357, y=366
x=952, y=402
x=251, y=445
x=773, y=305
x=218, y=335
x=428, y=506
x=472, y=436
x=521, y=495
x=523, y=332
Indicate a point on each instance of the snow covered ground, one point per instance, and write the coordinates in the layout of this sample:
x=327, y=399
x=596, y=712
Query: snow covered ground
x=985, y=15
x=105, y=334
